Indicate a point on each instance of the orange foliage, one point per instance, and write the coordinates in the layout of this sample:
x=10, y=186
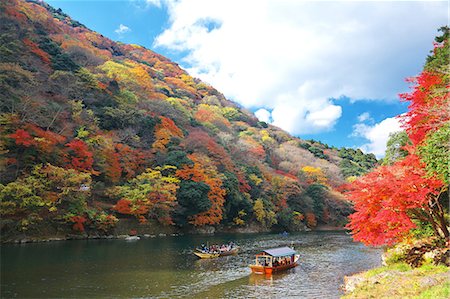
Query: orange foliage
x=78, y=223
x=200, y=172
x=11, y=11
x=288, y=175
x=22, y=137
x=164, y=131
x=311, y=220
x=132, y=161
x=244, y=187
x=138, y=208
x=79, y=157
x=34, y=48
x=113, y=170
x=178, y=83
x=209, y=114
x=45, y=140
x=123, y=206
x=253, y=147
x=199, y=141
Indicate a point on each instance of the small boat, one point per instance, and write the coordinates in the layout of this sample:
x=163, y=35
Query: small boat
x=203, y=254
x=275, y=260
x=132, y=238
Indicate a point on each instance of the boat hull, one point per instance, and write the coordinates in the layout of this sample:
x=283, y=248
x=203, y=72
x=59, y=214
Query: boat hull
x=259, y=269
x=231, y=252
x=206, y=255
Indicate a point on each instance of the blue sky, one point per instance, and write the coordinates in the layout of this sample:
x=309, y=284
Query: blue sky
x=322, y=70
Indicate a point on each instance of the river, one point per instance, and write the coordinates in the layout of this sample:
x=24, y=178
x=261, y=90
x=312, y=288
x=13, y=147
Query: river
x=164, y=267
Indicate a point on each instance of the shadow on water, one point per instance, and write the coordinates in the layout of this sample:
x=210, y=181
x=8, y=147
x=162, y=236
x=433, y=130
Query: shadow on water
x=166, y=268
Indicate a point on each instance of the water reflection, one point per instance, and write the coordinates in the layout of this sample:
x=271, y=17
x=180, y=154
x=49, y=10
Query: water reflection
x=166, y=268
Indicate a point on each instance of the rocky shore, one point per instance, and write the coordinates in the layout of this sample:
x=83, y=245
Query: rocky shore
x=428, y=277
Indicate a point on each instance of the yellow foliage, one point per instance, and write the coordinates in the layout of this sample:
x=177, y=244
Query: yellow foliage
x=258, y=210
x=265, y=138
x=128, y=72
x=255, y=179
x=351, y=179
x=315, y=174
x=238, y=221
x=187, y=79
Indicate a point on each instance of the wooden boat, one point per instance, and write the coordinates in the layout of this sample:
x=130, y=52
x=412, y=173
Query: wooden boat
x=275, y=260
x=233, y=251
x=210, y=255
x=205, y=255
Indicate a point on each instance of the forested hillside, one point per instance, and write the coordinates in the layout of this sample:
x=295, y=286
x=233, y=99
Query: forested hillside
x=96, y=132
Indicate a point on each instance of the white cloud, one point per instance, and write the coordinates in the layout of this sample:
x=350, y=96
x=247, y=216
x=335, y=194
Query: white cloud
x=292, y=56
x=365, y=117
x=377, y=135
x=122, y=29
x=263, y=115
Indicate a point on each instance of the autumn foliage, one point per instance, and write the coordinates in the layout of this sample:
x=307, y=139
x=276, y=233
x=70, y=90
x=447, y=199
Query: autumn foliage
x=388, y=199
x=208, y=175
x=428, y=106
x=79, y=157
x=94, y=132
x=411, y=193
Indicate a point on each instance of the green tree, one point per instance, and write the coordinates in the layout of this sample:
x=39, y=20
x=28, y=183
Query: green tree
x=317, y=193
x=193, y=197
x=395, y=147
x=48, y=189
x=435, y=152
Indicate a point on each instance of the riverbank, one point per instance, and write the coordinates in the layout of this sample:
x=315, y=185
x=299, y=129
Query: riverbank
x=413, y=269
x=130, y=227
x=400, y=281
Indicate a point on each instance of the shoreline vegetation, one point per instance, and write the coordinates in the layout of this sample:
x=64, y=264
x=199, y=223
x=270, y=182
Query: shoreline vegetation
x=396, y=278
x=152, y=233
x=399, y=281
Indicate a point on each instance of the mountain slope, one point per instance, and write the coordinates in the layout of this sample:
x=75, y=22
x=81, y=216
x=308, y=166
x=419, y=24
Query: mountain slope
x=95, y=133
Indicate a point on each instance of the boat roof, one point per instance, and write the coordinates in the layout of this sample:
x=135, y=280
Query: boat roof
x=281, y=251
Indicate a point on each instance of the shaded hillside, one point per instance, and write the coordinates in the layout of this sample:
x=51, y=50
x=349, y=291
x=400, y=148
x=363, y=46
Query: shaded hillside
x=95, y=131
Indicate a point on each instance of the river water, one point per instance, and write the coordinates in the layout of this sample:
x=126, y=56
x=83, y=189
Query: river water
x=164, y=267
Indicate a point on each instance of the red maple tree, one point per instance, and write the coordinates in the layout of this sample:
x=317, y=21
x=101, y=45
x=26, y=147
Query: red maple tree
x=388, y=199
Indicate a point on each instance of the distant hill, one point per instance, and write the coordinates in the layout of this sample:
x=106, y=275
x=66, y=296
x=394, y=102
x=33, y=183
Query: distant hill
x=97, y=133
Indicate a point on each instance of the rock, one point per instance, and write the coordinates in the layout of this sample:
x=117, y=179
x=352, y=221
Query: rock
x=56, y=239
x=352, y=282
x=208, y=230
